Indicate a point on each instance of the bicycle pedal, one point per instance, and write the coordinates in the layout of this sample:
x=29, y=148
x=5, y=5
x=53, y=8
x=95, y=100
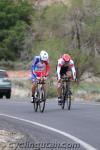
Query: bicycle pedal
x=32, y=99
x=70, y=93
x=59, y=103
x=42, y=100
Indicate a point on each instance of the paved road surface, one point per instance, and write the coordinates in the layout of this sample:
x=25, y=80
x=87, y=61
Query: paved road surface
x=80, y=126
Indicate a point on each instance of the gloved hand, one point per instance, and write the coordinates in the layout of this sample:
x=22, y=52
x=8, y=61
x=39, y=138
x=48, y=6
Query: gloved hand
x=59, y=80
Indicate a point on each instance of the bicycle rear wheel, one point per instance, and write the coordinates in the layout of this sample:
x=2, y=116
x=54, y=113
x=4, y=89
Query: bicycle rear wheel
x=42, y=101
x=36, y=101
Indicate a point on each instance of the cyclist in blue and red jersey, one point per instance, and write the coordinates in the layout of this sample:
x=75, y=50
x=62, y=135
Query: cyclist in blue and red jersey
x=40, y=68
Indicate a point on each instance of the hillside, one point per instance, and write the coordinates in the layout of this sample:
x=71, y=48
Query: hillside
x=51, y=2
x=75, y=30
x=25, y=30
x=29, y=26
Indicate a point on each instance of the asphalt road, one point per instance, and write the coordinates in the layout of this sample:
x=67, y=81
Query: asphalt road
x=55, y=128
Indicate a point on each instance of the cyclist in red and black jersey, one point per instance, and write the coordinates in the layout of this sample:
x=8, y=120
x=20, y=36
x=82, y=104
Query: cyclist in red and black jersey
x=65, y=66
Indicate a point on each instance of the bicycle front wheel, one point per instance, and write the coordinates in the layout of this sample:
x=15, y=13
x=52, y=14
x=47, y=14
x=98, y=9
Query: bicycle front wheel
x=36, y=103
x=42, y=101
x=63, y=97
x=68, y=102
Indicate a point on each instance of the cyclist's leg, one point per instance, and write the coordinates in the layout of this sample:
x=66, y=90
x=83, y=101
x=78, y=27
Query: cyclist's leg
x=59, y=90
x=69, y=75
x=34, y=85
x=69, y=87
x=59, y=86
x=33, y=92
x=62, y=73
x=45, y=89
x=34, y=82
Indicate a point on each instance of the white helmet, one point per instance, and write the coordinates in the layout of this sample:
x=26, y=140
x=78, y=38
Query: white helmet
x=44, y=55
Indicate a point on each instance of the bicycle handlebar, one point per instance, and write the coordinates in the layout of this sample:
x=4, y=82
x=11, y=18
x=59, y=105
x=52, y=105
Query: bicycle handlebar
x=65, y=79
x=41, y=80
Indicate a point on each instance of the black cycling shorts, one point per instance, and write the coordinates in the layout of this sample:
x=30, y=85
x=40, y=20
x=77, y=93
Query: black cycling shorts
x=64, y=70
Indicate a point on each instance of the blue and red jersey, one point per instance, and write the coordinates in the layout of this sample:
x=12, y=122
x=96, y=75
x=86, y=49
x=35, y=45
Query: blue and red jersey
x=38, y=68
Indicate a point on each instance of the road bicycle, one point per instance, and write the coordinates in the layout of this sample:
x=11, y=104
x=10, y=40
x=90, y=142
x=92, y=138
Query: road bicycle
x=65, y=93
x=40, y=95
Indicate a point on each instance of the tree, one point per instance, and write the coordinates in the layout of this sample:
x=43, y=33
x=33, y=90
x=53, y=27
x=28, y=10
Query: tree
x=15, y=22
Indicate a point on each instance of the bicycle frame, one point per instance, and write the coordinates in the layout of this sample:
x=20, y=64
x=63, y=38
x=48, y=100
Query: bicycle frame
x=66, y=93
x=40, y=97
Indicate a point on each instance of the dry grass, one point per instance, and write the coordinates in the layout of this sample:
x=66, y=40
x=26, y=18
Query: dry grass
x=6, y=138
x=49, y=2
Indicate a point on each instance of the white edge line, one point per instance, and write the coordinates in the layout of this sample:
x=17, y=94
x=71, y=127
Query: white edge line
x=91, y=103
x=82, y=143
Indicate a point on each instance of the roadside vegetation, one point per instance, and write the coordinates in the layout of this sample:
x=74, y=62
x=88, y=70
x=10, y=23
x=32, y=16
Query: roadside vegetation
x=25, y=29
x=86, y=90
